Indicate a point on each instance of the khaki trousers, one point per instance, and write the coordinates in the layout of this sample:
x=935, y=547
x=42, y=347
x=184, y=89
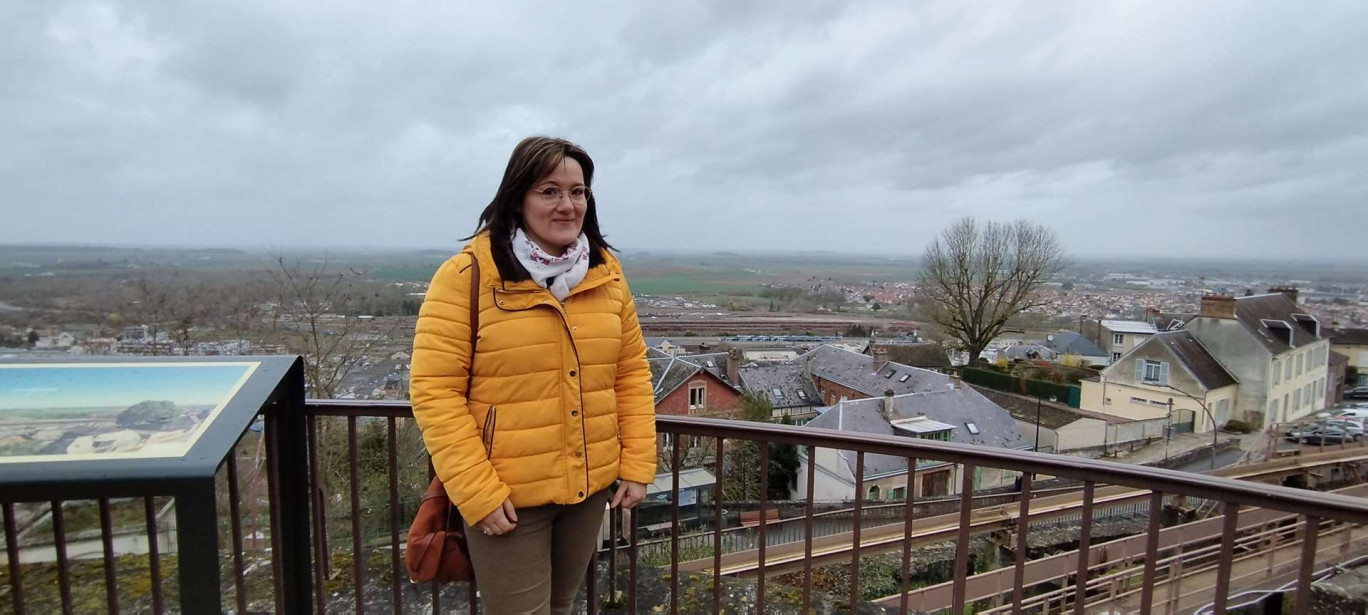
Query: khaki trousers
x=538, y=567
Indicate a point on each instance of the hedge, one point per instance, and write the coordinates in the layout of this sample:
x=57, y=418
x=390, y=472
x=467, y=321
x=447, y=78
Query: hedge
x=1063, y=393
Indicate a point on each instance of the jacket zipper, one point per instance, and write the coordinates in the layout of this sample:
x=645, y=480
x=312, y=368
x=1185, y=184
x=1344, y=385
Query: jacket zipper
x=491, y=422
x=579, y=377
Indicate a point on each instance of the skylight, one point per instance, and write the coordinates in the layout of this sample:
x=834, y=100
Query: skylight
x=904, y=377
x=778, y=393
x=973, y=429
x=802, y=395
x=889, y=373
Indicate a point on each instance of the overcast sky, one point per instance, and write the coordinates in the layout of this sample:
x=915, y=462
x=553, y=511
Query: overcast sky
x=1213, y=128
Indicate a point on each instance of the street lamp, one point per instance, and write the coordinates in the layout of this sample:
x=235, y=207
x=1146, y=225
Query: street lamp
x=1215, y=433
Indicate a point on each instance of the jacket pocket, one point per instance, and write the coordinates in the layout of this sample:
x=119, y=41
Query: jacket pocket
x=490, y=424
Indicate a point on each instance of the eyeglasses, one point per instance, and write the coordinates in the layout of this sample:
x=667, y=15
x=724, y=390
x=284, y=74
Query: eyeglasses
x=552, y=194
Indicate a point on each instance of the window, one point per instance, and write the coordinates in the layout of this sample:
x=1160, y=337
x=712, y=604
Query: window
x=889, y=373
x=778, y=394
x=1273, y=410
x=1161, y=404
x=1152, y=372
x=1296, y=399
x=904, y=377
x=1301, y=363
x=1116, y=356
x=973, y=429
x=698, y=395
x=1106, y=401
x=941, y=436
x=1139, y=400
x=1277, y=373
x=1118, y=339
x=802, y=395
x=1222, y=411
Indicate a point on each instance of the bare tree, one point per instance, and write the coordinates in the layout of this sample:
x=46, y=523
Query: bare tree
x=152, y=302
x=975, y=276
x=313, y=318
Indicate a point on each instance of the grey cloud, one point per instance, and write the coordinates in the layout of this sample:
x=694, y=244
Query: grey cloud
x=1213, y=129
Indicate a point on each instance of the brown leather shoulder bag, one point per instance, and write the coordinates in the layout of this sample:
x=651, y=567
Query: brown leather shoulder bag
x=437, y=548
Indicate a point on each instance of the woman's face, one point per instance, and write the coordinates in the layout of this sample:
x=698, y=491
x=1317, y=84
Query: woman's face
x=553, y=210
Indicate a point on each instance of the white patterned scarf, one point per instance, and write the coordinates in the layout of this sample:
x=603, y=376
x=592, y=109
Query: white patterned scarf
x=563, y=272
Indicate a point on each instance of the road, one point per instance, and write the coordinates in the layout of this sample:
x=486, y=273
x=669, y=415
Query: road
x=1224, y=459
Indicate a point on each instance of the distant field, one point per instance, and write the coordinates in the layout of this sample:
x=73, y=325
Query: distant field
x=737, y=274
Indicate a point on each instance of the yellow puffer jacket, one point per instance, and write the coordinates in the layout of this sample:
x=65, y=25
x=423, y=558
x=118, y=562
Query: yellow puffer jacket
x=561, y=403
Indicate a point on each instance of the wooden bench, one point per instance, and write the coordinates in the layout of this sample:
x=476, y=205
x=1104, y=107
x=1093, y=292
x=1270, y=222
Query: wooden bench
x=751, y=518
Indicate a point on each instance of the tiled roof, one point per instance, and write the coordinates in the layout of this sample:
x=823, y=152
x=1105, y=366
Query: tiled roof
x=795, y=390
x=1170, y=321
x=667, y=372
x=1129, y=326
x=926, y=355
x=1028, y=352
x=956, y=406
x=1068, y=342
x=1186, y=347
x=856, y=371
x=1053, y=415
x=1355, y=337
x=1260, y=313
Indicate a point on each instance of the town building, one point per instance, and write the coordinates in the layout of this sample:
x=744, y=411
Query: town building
x=1353, y=345
x=1066, y=344
x=1054, y=427
x=696, y=384
x=922, y=355
x=1119, y=337
x=954, y=413
x=1170, y=376
x=1273, y=347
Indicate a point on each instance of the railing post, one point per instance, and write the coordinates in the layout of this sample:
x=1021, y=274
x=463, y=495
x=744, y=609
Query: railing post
x=719, y=466
x=807, y=530
x=962, y=538
x=855, y=536
x=1310, y=530
x=290, y=523
x=1228, y=529
x=1084, y=549
x=1023, y=529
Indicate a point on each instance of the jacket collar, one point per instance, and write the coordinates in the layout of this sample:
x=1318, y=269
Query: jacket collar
x=527, y=293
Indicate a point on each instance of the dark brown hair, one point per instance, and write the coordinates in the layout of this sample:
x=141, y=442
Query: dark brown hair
x=533, y=159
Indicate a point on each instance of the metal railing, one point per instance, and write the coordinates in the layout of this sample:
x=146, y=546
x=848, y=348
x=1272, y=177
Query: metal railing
x=363, y=465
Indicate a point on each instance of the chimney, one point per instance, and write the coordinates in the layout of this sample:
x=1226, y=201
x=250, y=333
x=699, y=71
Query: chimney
x=1291, y=292
x=886, y=410
x=1152, y=314
x=734, y=366
x=880, y=358
x=1218, y=306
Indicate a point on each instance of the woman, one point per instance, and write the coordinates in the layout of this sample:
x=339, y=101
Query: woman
x=560, y=402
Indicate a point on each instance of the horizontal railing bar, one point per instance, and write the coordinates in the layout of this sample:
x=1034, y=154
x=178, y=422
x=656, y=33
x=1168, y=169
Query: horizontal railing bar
x=1327, y=506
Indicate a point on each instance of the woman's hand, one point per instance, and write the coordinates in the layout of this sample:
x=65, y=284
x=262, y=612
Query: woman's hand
x=502, y=521
x=629, y=494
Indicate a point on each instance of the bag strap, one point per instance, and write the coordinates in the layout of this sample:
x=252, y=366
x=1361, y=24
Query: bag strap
x=452, y=520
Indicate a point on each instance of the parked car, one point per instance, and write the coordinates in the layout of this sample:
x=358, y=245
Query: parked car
x=1326, y=435
x=1356, y=392
x=1295, y=433
x=1353, y=426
